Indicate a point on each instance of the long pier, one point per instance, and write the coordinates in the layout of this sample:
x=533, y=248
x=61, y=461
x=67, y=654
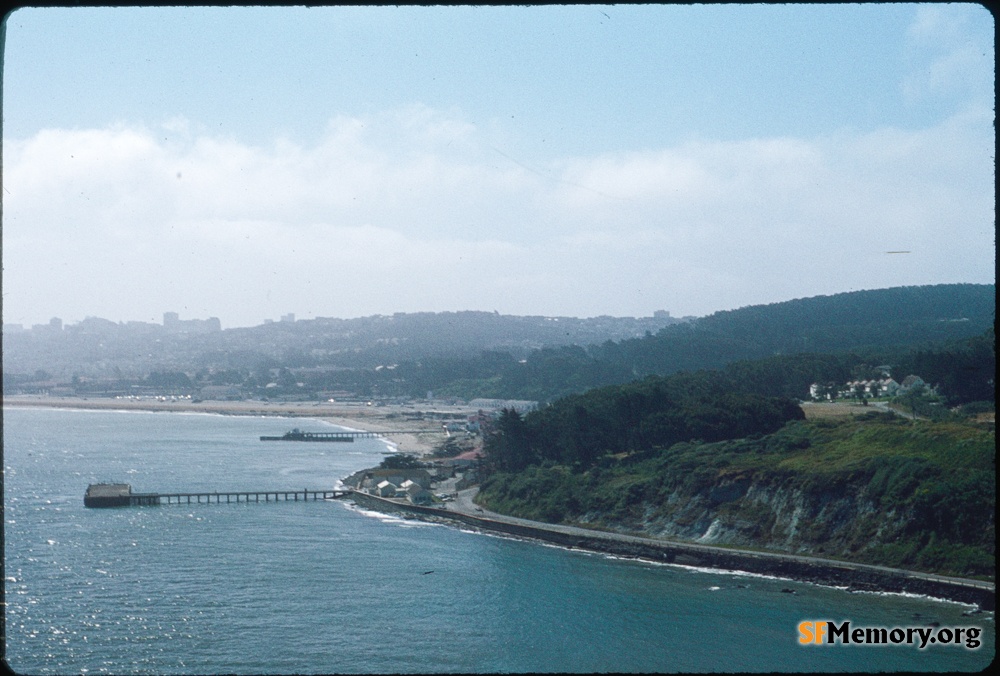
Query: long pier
x=142, y=499
x=121, y=495
x=299, y=435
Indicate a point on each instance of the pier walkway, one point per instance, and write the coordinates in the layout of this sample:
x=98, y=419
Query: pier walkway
x=299, y=435
x=240, y=496
x=121, y=495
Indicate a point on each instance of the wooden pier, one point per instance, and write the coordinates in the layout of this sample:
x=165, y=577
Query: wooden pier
x=143, y=499
x=121, y=495
x=299, y=435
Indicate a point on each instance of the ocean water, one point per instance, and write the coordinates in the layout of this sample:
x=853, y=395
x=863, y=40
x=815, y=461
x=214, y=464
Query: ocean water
x=324, y=587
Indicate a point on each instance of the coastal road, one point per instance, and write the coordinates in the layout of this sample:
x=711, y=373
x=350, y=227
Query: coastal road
x=465, y=505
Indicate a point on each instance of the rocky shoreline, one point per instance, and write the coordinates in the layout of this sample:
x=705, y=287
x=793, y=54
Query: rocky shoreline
x=854, y=577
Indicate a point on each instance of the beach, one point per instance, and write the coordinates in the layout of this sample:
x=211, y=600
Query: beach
x=411, y=428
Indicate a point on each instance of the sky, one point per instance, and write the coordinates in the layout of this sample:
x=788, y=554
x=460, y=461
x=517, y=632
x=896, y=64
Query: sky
x=249, y=162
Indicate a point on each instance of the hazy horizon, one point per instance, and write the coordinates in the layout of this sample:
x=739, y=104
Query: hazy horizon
x=281, y=318
x=581, y=161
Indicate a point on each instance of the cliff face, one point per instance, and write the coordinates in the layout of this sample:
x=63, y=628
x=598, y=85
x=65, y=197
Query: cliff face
x=840, y=521
x=851, y=576
x=878, y=490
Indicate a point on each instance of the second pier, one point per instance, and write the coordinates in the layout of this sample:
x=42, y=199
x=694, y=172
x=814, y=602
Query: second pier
x=299, y=435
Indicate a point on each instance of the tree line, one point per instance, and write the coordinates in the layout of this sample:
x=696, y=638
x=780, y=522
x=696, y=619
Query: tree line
x=579, y=430
x=745, y=398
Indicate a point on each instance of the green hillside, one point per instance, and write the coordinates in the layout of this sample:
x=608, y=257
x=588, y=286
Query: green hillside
x=874, y=489
x=726, y=457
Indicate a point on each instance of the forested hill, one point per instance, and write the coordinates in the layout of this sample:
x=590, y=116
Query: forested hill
x=869, y=322
x=899, y=317
x=881, y=315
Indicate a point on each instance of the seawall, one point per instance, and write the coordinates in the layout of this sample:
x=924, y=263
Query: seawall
x=856, y=577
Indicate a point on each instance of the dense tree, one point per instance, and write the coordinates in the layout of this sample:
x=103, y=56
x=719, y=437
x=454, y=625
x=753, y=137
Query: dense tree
x=400, y=461
x=169, y=381
x=506, y=443
x=578, y=430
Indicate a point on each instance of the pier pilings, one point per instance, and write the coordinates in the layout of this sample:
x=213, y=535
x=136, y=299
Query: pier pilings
x=147, y=499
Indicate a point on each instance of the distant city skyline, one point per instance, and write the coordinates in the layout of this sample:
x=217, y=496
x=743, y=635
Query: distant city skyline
x=254, y=162
x=170, y=318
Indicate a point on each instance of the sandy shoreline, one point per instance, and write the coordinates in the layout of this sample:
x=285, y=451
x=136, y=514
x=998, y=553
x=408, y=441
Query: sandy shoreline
x=399, y=423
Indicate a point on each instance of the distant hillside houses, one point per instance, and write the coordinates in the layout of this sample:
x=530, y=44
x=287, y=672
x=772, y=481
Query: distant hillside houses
x=174, y=324
x=885, y=387
x=519, y=405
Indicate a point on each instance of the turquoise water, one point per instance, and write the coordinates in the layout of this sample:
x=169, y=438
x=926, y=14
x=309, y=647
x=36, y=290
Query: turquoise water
x=322, y=587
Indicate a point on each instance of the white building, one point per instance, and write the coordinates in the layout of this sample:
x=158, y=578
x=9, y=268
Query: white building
x=386, y=489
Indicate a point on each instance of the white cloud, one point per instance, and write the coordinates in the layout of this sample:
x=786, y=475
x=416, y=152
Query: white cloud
x=950, y=50
x=415, y=210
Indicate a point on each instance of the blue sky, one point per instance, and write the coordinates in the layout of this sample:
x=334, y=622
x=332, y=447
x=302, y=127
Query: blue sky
x=566, y=160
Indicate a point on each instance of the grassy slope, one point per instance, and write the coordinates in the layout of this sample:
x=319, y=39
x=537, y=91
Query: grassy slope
x=875, y=489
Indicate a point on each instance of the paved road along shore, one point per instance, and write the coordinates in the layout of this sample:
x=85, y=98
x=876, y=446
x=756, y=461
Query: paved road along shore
x=854, y=576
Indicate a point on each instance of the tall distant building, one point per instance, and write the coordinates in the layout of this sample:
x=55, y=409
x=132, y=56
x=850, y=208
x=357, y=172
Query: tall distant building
x=290, y=317
x=174, y=324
